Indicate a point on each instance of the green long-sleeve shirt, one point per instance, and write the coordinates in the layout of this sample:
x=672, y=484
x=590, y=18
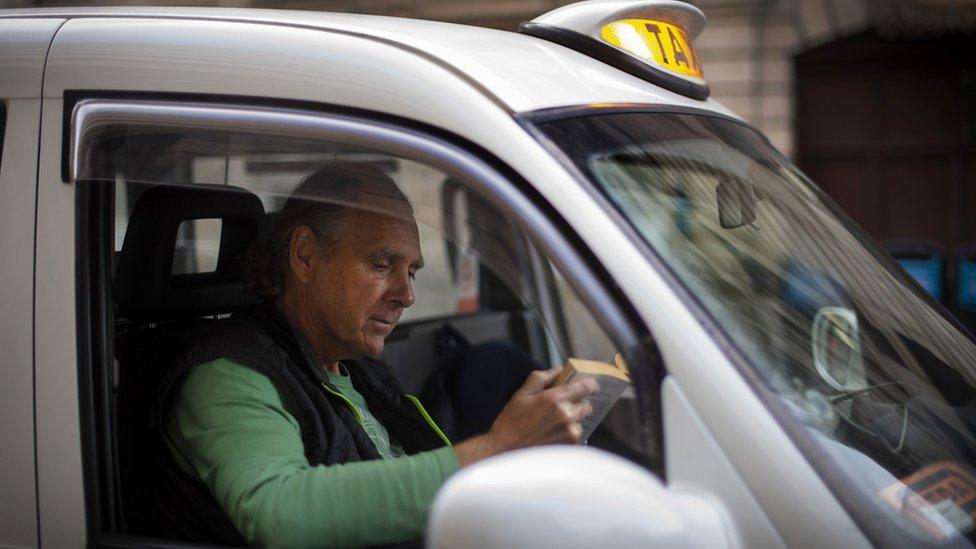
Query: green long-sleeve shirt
x=229, y=426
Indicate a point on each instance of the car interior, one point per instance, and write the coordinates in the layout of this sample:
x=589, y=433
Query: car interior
x=179, y=239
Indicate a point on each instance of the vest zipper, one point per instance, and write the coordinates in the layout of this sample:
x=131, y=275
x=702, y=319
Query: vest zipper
x=428, y=419
x=411, y=398
x=352, y=407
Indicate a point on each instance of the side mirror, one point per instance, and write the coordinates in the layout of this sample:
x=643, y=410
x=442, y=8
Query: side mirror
x=736, y=203
x=569, y=497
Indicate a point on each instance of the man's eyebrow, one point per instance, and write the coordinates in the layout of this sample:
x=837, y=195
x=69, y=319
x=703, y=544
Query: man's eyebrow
x=393, y=255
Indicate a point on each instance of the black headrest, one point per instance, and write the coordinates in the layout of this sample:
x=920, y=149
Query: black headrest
x=145, y=286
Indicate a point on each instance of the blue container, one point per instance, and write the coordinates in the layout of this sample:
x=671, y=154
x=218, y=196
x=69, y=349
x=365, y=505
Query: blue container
x=928, y=272
x=967, y=283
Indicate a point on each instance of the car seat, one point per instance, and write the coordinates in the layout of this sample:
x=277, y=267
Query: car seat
x=158, y=313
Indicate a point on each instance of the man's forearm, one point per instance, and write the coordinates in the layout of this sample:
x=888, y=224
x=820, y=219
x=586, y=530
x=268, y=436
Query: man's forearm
x=354, y=504
x=477, y=448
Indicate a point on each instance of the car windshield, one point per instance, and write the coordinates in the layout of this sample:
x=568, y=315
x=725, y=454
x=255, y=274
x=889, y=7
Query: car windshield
x=843, y=336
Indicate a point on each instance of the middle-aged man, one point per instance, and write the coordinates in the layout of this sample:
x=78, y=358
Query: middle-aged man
x=279, y=430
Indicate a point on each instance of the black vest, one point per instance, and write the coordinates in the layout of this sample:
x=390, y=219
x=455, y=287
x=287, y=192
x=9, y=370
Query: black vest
x=263, y=340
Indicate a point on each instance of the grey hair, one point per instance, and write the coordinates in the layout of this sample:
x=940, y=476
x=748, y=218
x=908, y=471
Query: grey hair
x=320, y=202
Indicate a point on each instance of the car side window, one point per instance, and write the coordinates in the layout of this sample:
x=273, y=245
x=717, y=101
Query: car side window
x=191, y=208
x=272, y=176
x=481, y=273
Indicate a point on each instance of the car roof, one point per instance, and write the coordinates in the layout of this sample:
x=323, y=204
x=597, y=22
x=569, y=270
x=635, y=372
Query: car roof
x=518, y=72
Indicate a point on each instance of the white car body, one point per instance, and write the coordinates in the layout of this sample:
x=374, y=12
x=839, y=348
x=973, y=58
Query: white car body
x=721, y=441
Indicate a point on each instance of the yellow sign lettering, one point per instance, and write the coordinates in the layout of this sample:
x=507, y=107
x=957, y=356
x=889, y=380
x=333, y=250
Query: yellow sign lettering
x=655, y=42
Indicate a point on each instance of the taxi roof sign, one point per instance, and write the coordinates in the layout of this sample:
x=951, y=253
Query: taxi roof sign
x=650, y=39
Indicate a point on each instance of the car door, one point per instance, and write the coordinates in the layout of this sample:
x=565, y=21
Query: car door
x=23, y=49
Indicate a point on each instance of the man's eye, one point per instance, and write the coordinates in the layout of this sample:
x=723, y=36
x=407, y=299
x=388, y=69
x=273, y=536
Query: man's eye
x=413, y=275
x=382, y=267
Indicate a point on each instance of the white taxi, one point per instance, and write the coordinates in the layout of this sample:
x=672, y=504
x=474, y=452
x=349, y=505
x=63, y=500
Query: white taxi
x=578, y=195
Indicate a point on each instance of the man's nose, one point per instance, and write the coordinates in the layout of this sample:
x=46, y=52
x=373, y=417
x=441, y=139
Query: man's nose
x=401, y=290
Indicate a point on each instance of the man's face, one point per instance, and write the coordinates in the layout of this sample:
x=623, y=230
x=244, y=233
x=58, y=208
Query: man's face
x=364, y=282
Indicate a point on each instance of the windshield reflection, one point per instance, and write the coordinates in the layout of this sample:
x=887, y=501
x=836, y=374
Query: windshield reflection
x=851, y=346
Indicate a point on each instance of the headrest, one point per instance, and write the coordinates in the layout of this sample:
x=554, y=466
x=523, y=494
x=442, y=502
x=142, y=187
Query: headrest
x=145, y=286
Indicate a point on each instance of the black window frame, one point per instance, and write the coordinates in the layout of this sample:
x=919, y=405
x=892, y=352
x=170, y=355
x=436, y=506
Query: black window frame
x=552, y=233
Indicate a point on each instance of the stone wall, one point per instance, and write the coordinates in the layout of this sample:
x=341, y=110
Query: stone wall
x=747, y=47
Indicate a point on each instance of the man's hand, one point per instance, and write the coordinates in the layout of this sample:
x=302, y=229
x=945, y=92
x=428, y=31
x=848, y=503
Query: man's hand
x=536, y=414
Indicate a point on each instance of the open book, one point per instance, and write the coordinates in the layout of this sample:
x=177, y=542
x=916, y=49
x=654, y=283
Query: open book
x=613, y=379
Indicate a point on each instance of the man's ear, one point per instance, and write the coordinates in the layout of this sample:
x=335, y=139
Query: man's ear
x=303, y=253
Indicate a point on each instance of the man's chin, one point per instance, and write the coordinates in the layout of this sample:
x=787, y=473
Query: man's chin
x=374, y=346
x=374, y=338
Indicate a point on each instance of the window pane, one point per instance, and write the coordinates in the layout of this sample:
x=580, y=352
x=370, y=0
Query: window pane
x=475, y=260
x=441, y=285
x=197, y=246
x=881, y=378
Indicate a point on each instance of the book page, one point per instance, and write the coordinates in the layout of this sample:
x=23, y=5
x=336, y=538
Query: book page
x=610, y=390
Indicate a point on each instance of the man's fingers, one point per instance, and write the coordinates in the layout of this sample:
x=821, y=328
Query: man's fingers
x=575, y=432
x=539, y=380
x=576, y=390
x=581, y=410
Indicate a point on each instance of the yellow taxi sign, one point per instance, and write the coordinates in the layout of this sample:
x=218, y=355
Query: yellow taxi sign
x=655, y=42
x=649, y=39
